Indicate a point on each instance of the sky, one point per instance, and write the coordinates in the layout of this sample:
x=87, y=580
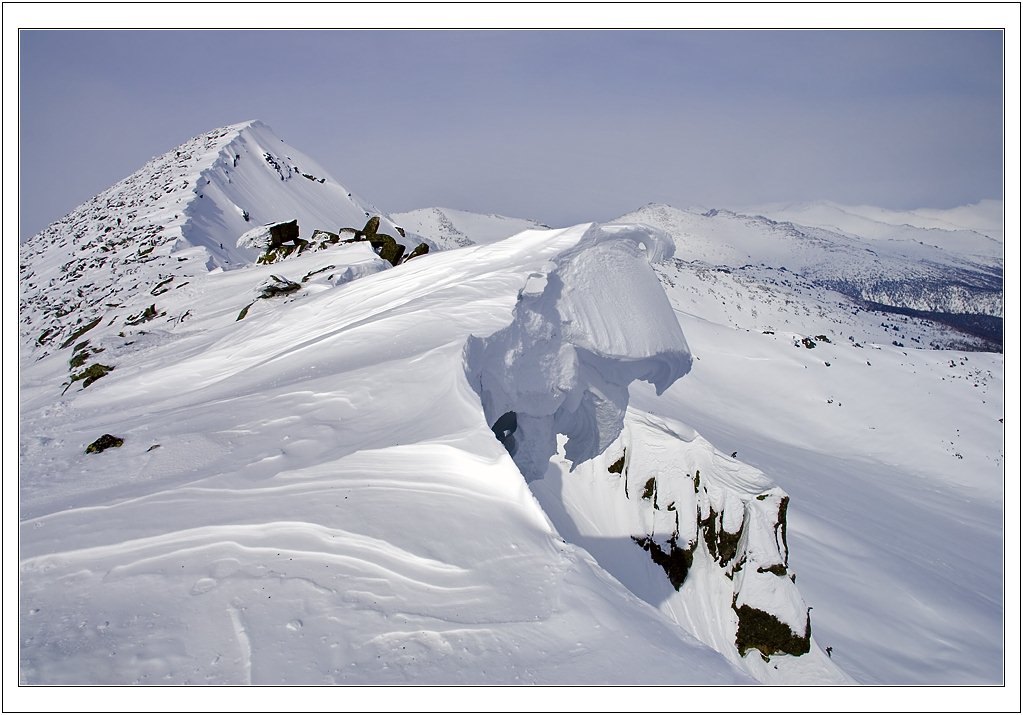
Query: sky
x=557, y=126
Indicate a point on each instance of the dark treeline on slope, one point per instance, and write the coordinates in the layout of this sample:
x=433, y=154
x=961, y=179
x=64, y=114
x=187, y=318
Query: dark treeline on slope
x=987, y=327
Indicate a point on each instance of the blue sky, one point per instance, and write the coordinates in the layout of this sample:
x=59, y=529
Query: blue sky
x=558, y=126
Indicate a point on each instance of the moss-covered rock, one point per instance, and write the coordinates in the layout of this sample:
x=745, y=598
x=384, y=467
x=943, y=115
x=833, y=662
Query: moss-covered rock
x=761, y=630
x=388, y=249
x=275, y=254
x=385, y=245
x=372, y=226
x=106, y=441
x=81, y=353
x=421, y=250
x=243, y=313
x=324, y=238
x=278, y=286
x=145, y=316
x=46, y=336
x=281, y=240
x=92, y=373
x=79, y=333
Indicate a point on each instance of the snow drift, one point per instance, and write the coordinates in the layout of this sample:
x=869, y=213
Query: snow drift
x=582, y=330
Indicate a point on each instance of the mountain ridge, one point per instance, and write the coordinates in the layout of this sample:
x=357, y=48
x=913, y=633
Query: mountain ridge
x=457, y=461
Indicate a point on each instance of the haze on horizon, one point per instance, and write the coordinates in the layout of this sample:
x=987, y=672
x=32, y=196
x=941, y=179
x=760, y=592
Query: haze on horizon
x=557, y=126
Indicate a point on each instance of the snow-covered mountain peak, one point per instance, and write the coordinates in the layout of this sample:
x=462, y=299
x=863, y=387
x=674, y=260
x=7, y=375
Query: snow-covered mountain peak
x=453, y=228
x=176, y=218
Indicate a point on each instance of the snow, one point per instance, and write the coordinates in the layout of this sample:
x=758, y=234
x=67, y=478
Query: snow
x=452, y=228
x=581, y=332
x=898, y=269
x=310, y=489
x=975, y=229
x=324, y=480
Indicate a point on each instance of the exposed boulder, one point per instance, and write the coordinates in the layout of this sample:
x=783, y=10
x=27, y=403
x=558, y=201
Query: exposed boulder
x=282, y=233
x=278, y=286
x=323, y=238
x=89, y=375
x=104, y=442
x=276, y=240
x=760, y=630
x=387, y=248
x=143, y=317
x=420, y=250
x=371, y=229
x=385, y=245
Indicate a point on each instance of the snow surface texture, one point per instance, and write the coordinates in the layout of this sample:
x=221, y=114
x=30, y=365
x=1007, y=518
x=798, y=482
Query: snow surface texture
x=893, y=456
x=312, y=494
x=582, y=331
x=310, y=490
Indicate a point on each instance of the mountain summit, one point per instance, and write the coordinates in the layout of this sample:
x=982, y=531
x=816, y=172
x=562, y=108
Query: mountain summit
x=178, y=217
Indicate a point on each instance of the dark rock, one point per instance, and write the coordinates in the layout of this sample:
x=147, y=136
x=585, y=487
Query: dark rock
x=278, y=286
x=421, y=250
x=676, y=561
x=282, y=233
x=78, y=333
x=324, y=237
x=146, y=315
x=388, y=249
x=618, y=466
x=90, y=374
x=763, y=631
x=105, y=442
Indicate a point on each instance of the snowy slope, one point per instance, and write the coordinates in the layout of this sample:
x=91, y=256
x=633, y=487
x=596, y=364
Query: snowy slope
x=896, y=272
x=451, y=228
x=312, y=494
x=962, y=229
x=893, y=457
x=169, y=223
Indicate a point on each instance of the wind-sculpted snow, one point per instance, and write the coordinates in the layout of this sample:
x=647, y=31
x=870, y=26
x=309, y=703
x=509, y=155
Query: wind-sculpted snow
x=306, y=475
x=312, y=494
x=582, y=330
x=713, y=530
